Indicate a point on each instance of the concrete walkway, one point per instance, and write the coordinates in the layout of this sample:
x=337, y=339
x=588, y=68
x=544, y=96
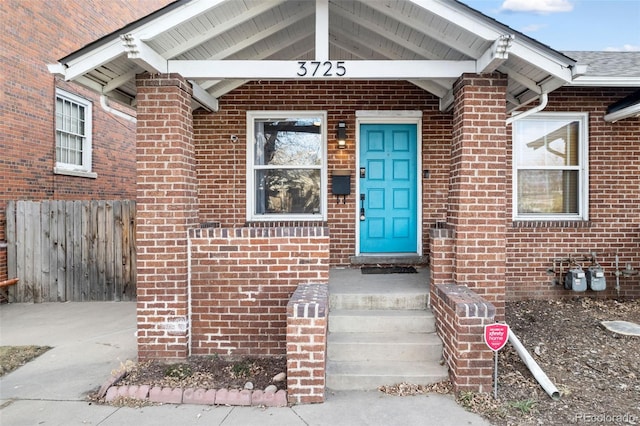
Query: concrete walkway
x=91, y=339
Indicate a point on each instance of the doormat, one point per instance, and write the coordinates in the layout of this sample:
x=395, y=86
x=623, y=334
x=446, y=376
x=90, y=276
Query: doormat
x=388, y=270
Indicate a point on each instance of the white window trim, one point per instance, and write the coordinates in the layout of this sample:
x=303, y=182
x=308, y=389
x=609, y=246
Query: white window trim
x=583, y=180
x=250, y=195
x=73, y=169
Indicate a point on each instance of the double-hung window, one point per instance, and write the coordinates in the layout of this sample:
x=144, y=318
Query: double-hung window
x=550, y=160
x=73, y=135
x=286, y=165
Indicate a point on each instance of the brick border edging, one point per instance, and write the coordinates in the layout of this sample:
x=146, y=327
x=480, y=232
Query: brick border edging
x=197, y=396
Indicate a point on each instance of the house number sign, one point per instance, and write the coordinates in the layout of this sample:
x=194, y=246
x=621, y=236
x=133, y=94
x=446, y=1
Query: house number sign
x=321, y=69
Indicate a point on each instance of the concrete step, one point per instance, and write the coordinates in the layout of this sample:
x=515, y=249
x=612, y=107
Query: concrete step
x=391, y=347
x=358, y=375
x=382, y=321
x=407, y=300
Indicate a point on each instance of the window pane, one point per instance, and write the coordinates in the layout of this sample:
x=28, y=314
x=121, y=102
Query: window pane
x=294, y=142
x=548, y=191
x=547, y=143
x=287, y=191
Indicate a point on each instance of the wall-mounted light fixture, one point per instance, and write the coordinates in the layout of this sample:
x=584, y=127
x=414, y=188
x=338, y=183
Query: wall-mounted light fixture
x=341, y=134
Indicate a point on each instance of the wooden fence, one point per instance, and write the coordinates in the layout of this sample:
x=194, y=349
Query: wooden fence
x=71, y=250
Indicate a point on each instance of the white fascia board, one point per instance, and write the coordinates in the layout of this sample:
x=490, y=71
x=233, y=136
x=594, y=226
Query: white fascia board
x=538, y=59
x=630, y=111
x=322, y=30
x=92, y=60
x=587, y=81
x=174, y=18
x=270, y=69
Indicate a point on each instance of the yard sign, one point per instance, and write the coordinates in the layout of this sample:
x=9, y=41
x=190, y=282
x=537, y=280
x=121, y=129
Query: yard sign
x=496, y=336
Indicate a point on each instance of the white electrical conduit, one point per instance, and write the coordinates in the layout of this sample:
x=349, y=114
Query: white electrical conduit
x=105, y=106
x=544, y=98
x=533, y=366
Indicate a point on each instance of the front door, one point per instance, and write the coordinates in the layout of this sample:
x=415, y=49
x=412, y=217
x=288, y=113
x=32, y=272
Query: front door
x=388, y=188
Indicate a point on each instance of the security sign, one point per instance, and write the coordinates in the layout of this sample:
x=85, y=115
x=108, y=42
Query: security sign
x=496, y=336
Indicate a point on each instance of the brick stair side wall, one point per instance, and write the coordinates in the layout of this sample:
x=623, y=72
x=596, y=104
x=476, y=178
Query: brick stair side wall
x=461, y=315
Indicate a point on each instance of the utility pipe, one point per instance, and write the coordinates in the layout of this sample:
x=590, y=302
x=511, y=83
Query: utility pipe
x=104, y=103
x=533, y=366
x=544, y=98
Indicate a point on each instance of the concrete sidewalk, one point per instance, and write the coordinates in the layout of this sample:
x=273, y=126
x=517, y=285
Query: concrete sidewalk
x=91, y=339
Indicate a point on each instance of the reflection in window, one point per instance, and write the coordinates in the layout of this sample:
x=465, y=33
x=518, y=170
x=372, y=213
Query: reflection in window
x=550, y=166
x=287, y=166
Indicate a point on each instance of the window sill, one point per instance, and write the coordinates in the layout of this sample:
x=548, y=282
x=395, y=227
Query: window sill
x=578, y=223
x=76, y=173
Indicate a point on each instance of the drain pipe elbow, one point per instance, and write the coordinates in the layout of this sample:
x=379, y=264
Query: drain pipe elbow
x=544, y=99
x=104, y=103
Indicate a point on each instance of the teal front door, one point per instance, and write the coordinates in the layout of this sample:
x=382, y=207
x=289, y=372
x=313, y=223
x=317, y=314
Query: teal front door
x=388, y=188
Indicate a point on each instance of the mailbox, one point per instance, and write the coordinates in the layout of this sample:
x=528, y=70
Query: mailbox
x=341, y=184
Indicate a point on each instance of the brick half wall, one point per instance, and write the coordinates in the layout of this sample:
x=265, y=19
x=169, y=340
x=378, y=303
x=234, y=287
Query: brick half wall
x=241, y=281
x=461, y=316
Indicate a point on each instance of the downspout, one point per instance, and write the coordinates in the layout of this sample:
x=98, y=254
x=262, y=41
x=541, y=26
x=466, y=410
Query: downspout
x=544, y=99
x=189, y=296
x=104, y=103
x=533, y=366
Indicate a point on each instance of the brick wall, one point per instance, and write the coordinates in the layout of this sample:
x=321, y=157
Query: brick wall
x=222, y=162
x=307, y=313
x=242, y=280
x=614, y=210
x=34, y=34
x=477, y=197
x=461, y=315
x=166, y=210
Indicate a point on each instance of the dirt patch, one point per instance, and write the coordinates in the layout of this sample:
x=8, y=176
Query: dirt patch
x=12, y=357
x=597, y=371
x=211, y=372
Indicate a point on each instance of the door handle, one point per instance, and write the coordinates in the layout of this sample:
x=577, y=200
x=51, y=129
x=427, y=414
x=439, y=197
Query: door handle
x=362, y=215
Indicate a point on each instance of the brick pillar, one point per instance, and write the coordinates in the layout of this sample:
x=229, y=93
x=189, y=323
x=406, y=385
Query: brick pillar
x=166, y=208
x=477, y=200
x=307, y=343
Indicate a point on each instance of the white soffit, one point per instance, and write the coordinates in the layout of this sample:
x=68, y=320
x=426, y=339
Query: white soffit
x=220, y=43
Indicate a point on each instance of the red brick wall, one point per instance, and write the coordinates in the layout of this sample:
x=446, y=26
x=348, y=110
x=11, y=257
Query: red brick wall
x=242, y=280
x=477, y=191
x=222, y=162
x=461, y=316
x=307, y=314
x=33, y=34
x=614, y=206
x=166, y=210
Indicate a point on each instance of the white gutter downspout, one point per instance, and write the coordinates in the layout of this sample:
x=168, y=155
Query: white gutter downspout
x=544, y=99
x=534, y=368
x=104, y=103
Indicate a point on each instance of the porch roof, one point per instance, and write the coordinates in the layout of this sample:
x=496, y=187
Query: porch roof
x=221, y=44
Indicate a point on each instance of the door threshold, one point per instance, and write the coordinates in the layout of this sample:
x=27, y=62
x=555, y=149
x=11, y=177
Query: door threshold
x=393, y=259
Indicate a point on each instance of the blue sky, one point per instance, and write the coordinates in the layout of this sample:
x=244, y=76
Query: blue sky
x=570, y=24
